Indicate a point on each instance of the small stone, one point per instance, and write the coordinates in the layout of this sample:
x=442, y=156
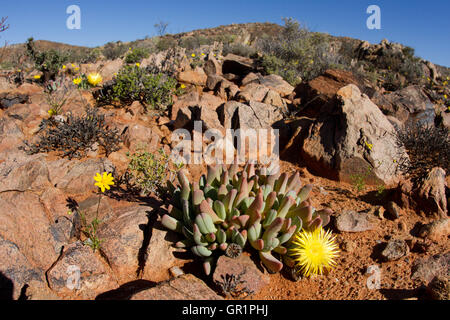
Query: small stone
x=402, y=226
x=394, y=250
x=393, y=210
x=439, y=289
x=380, y=212
x=293, y=274
x=176, y=271
x=351, y=221
x=238, y=276
x=348, y=246
x=426, y=269
x=436, y=230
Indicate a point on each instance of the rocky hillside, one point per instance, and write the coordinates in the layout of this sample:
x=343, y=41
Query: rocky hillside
x=93, y=207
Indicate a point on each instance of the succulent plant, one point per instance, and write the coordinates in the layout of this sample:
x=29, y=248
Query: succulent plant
x=230, y=206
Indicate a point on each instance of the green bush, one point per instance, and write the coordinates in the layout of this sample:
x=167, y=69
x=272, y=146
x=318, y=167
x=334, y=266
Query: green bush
x=239, y=49
x=113, y=51
x=136, y=55
x=165, y=43
x=149, y=172
x=48, y=62
x=133, y=83
x=297, y=53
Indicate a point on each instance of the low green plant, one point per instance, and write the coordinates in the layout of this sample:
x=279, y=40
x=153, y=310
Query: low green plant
x=136, y=55
x=133, y=83
x=149, y=172
x=56, y=93
x=359, y=179
x=48, y=62
x=113, y=51
x=90, y=231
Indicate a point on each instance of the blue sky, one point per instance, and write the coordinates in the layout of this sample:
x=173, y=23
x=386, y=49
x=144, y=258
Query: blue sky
x=422, y=25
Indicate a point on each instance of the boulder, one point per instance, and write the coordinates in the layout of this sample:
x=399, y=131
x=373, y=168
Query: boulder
x=240, y=275
x=137, y=136
x=255, y=115
x=277, y=83
x=80, y=273
x=185, y=287
x=252, y=92
x=197, y=108
x=409, y=105
x=352, y=136
x=16, y=271
x=194, y=77
x=75, y=176
x=24, y=173
x=122, y=239
x=212, y=67
x=322, y=89
x=159, y=254
x=431, y=195
x=237, y=65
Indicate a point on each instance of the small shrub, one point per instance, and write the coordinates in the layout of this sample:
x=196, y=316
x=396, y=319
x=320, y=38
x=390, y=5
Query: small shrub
x=75, y=136
x=133, y=83
x=165, y=43
x=57, y=93
x=48, y=62
x=239, y=49
x=297, y=53
x=149, y=172
x=359, y=179
x=113, y=51
x=427, y=147
x=136, y=55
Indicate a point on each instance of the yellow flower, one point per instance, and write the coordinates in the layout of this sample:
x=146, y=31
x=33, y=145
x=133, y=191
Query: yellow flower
x=138, y=64
x=77, y=81
x=95, y=79
x=77, y=68
x=369, y=145
x=193, y=55
x=183, y=86
x=203, y=54
x=104, y=181
x=445, y=96
x=311, y=62
x=19, y=70
x=73, y=66
x=51, y=112
x=37, y=77
x=314, y=251
x=64, y=66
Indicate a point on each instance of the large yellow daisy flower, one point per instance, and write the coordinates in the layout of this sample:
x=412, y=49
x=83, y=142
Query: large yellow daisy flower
x=104, y=181
x=314, y=251
x=95, y=79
